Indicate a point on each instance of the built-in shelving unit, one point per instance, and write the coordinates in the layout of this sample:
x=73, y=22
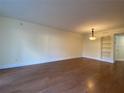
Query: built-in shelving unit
x=106, y=47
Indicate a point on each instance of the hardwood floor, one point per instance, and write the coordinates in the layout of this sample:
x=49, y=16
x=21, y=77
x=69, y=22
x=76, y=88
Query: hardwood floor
x=71, y=76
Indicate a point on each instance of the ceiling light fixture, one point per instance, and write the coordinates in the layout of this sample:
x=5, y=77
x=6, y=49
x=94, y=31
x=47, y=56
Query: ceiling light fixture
x=92, y=37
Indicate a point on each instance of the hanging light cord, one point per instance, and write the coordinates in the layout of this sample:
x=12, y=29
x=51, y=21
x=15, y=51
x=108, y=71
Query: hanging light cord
x=92, y=32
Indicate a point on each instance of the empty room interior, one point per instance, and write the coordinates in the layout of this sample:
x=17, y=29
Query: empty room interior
x=61, y=46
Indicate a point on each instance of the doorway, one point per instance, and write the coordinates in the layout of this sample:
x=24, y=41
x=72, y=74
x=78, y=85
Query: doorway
x=119, y=47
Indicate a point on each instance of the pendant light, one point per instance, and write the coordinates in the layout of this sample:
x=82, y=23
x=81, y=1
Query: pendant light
x=92, y=37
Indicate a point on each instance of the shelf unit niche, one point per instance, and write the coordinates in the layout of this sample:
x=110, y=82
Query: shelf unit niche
x=106, y=47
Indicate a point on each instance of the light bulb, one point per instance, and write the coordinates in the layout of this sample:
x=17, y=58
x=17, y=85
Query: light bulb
x=92, y=38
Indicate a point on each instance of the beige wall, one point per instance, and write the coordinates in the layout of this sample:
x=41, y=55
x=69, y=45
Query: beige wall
x=23, y=43
x=92, y=49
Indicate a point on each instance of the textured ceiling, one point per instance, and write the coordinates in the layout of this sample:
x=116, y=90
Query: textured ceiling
x=70, y=15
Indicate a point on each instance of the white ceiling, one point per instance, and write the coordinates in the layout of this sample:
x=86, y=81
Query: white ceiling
x=72, y=15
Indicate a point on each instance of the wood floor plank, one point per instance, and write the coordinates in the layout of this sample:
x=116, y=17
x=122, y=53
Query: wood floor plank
x=70, y=76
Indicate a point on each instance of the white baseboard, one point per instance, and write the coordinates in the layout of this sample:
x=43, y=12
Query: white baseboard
x=55, y=60
x=100, y=59
x=17, y=65
x=119, y=59
x=34, y=63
